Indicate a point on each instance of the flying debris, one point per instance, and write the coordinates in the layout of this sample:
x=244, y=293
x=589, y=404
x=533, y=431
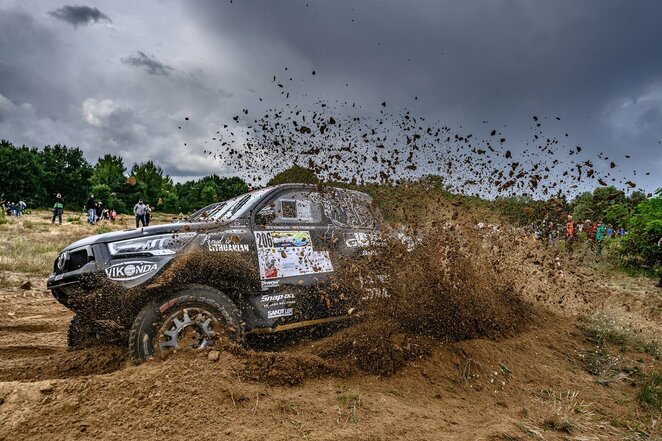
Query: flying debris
x=338, y=142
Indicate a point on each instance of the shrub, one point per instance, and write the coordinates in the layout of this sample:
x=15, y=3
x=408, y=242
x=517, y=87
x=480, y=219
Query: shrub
x=644, y=228
x=295, y=174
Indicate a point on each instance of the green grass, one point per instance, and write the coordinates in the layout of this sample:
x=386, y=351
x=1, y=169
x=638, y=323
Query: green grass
x=650, y=393
x=19, y=254
x=611, y=366
x=350, y=402
x=103, y=229
x=602, y=329
x=30, y=244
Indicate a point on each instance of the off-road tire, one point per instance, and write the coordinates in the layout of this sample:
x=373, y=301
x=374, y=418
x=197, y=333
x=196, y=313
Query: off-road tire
x=81, y=333
x=147, y=323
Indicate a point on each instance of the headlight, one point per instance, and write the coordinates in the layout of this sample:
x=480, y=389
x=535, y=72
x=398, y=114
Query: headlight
x=161, y=245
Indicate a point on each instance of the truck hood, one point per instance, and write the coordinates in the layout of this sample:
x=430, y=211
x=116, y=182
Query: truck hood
x=174, y=227
x=126, y=234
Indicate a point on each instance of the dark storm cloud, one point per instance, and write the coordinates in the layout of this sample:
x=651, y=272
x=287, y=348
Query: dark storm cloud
x=79, y=15
x=152, y=65
x=485, y=55
x=473, y=61
x=595, y=64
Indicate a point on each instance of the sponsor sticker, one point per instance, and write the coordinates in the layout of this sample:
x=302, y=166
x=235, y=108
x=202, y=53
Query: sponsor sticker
x=289, y=254
x=266, y=284
x=360, y=239
x=230, y=243
x=282, y=239
x=130, y=270
x=235, y=247
x=282, y=312
x=276, y=298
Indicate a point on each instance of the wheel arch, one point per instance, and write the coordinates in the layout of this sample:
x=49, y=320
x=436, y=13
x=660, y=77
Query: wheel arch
x=144, y=325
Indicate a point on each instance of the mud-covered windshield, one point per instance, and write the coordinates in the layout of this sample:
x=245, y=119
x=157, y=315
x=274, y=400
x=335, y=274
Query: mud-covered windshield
x=230, y=209
x=204, y=212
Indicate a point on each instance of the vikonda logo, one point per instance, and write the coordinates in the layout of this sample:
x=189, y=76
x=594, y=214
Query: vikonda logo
x=130, y=270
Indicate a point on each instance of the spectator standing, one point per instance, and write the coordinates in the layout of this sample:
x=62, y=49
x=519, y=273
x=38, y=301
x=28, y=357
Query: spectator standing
x=91, y=210
x=586, y=229
x=610, y=230
x=659, y=245
x=99, y=211
x=58, y=208
x=148, y=215
x=553, y=234
x=600, y=233
x=139, y=211
x=569, y=233
x=113, y=215
x=592, y=231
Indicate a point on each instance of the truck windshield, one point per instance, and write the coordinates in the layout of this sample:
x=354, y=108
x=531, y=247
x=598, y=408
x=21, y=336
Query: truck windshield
x=231, y=209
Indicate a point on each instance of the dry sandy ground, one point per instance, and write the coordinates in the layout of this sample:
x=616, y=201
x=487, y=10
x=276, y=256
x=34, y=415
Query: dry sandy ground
x=548, y=382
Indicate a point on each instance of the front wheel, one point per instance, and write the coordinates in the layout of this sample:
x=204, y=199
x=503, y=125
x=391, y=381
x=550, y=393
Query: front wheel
x=193, y=318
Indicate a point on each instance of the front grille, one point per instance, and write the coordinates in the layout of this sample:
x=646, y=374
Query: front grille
x=73, y=260
x=77, y=260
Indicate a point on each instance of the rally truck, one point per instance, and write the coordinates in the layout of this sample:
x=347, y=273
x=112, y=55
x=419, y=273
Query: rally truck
x=261, y=262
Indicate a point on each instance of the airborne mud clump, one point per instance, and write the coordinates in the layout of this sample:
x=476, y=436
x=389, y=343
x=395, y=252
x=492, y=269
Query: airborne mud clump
x=440, y=289
x=450, y=290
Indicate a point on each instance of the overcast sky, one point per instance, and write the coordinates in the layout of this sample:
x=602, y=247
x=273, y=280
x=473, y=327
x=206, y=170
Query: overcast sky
x=120, y=77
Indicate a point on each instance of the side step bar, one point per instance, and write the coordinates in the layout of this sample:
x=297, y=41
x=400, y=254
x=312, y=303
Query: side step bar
x=296, y=325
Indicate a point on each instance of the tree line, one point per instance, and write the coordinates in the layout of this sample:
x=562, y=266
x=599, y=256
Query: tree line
x=639, y=214
x=37, y=175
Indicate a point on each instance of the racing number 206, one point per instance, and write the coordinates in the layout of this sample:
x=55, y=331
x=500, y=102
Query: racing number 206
x=264, y=240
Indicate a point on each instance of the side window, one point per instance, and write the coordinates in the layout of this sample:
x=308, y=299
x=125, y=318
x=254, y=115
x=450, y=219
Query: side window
x=347, y=208
x=291, y=207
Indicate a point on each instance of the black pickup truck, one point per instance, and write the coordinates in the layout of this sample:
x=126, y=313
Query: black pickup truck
x=258, y=263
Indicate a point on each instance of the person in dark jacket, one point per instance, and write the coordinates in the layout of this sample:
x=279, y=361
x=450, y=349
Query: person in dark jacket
x=659, y=245
x=58, y=208
x=91, y=209
x=148, y=215
x=99, y=212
